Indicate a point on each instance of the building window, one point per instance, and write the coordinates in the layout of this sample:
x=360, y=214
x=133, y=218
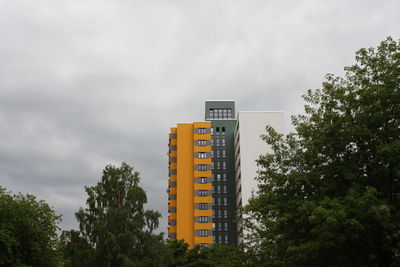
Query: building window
x=218, y=165
x=212, y=153
x=203, y=219
x=225, y=213
x=219, y=189
x=224, y=153
x=202, y=180
x=226, y=226
x=202, y=155
x=224, y=176
x=224, y=188
x=219, y=201
x=202, y=193
x=202, y=206
x=220, y=113
x=201, y=130
x=226, y=239
x=202, y=232
x=201, y=142
x=218, y=153
x=172, y=209
x=217, y=142
x=172, y=235
x=202, y=167
x=223, y=129
x=224, y=165
x=218, y=176
x=223, y=141
x=225, y=201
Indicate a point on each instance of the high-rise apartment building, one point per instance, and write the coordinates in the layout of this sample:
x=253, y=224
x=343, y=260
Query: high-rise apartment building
x=212, y=172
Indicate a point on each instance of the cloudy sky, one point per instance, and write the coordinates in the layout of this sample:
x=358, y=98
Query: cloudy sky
x=87, y=83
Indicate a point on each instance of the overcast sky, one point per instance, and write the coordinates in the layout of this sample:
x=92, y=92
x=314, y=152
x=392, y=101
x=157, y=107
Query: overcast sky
x=87, y=83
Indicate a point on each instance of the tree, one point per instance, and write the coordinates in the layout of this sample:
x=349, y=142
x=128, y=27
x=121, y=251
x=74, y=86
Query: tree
x=175, y=253
x=75, y=250
x=28, y=231
x=115, y=222
x=329, y=193
x=178, y=254
x=223, y=256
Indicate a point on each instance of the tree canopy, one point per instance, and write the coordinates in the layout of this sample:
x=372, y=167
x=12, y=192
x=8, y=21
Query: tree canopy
x=329, y=193
x=177, y=253
x=75, y=250
x=115, y=222
x=28, y=231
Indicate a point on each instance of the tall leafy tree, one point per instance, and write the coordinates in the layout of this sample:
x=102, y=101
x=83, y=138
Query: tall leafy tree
x=329, y=193
x=115, y=222
x=28, y=231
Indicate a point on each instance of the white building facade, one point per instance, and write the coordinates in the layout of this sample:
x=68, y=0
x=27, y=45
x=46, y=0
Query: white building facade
x=248, y=147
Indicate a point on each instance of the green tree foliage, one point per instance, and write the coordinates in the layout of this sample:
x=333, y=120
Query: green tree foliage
x=223, y=256
x=329, y=193
x=177, y=253
x=27, y=231
x=115, y=222
x=76, y=251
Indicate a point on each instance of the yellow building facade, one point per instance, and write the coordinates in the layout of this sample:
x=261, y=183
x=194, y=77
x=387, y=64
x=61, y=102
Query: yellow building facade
x=189, y=185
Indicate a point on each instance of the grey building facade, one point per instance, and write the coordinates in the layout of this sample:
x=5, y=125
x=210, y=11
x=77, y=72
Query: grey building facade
x=221, y=114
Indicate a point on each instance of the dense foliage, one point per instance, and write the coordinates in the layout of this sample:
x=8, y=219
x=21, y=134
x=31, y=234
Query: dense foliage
x=116, y=230
x=329, y=193
x=75, y=250
x=115, y=222
x=177, y=253
x=28, y=228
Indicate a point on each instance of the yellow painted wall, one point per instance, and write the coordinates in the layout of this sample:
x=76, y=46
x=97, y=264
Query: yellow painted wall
x=185, y=215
